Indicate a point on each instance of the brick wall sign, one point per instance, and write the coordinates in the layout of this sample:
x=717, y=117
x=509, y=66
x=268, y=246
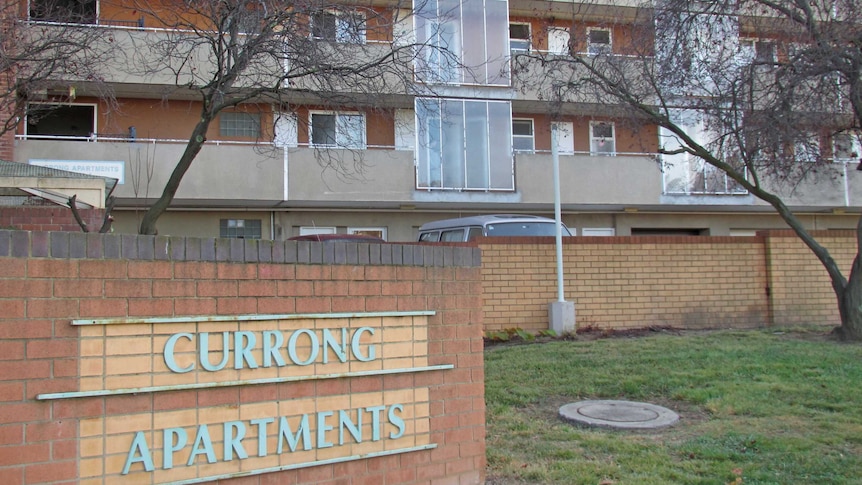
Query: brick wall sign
x=203, y=443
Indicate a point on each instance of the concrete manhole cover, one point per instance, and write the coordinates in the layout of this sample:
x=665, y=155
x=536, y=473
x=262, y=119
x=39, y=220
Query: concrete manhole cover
x=618, y=414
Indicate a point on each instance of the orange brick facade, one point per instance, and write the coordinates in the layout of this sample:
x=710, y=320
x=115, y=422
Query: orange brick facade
x=52, y=279
x=685, y=282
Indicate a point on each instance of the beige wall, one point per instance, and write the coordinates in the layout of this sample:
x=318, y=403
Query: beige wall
x=680, y=282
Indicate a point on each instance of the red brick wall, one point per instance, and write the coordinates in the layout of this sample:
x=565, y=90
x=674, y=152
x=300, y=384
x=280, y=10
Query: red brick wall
x=49, y=279
x=49, y=218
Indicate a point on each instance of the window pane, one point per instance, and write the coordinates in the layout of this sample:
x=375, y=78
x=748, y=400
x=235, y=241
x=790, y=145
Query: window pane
x=845, y=147
x=244, y=125
x=429, y=149
x=351, y=28
x=453, y=144
x=322, y=129
x=55, y=120
x=500, y=124
x=522, y=127
x=496, y=44
x=519, y=37
x=350, y=131
x=323, y=25
x=67, y=11
x=240, y=228
x=603, y=130
x=477, y=148
x=600, y=37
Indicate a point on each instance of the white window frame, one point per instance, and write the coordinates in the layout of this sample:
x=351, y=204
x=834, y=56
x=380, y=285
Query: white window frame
x=598, y=49
x=528, y=40
x=346, y=32
x=312, y=230
x=600, y=139
x=366, y=230
x=338, y=143
x=532, y=136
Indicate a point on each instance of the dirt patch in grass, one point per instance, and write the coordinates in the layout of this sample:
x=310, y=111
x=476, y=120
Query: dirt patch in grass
x=586, y=334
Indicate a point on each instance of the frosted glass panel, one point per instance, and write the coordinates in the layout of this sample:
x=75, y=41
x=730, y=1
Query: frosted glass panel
x=453, y=144
x=477, y=148
x=497, y=43
x=500, y=128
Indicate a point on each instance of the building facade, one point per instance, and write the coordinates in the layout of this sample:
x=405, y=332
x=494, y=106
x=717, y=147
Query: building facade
x=470, y=134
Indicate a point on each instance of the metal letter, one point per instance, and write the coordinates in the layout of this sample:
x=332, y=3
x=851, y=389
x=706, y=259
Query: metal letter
x=354, y=345
x=170, y=447
x=204, y=350
x=271, y=349
x=322, y=428
x=139, y=446
x=203, y=438
x=243, y=352
x=234, y=432
x=396, y=420
x=375, y=421
x=284, y=433
x=261, y=434
x=291, y=347
x=170, y=360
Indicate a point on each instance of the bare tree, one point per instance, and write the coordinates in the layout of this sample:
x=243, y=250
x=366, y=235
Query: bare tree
x=44, y=52
x=230, y=52
x=754, y=112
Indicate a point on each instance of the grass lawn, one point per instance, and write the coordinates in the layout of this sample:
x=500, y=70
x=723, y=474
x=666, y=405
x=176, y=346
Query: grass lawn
x=755, y=406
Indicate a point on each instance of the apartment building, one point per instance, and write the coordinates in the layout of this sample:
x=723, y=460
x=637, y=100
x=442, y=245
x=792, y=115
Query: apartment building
x=471, y=134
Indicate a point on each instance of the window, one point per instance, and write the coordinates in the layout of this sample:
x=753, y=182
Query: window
x=65, y=11
x=240, y=228
x=522, y=135
x=459, y=42
x=454, y=235
x=598, y=41
x=310, y=230
x=444, y=158
x=807, y=149
x=598, y=231
x=239, y=125
x=429, y=236
x=72, y=120
x=845, y=147
x=368, y=231
x=558, y=40
x=602, y=140
x=336, y=26
x=519, y=37
x=758, y=51
x=342, y=130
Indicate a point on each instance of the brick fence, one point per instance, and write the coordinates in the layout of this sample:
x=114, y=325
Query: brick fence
x=687, y=282
x=49, y=218
x=138, y=290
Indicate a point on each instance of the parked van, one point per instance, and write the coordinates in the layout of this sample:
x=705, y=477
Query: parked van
x=465, y=229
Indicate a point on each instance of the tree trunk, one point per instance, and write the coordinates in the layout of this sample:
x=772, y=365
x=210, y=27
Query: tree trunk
x=850, y=298
x=196, y=142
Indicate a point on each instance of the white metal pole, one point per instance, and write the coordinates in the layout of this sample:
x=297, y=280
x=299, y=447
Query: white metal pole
x=557, y=211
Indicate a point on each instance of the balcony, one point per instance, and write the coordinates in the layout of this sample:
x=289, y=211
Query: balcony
x=233, y=174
